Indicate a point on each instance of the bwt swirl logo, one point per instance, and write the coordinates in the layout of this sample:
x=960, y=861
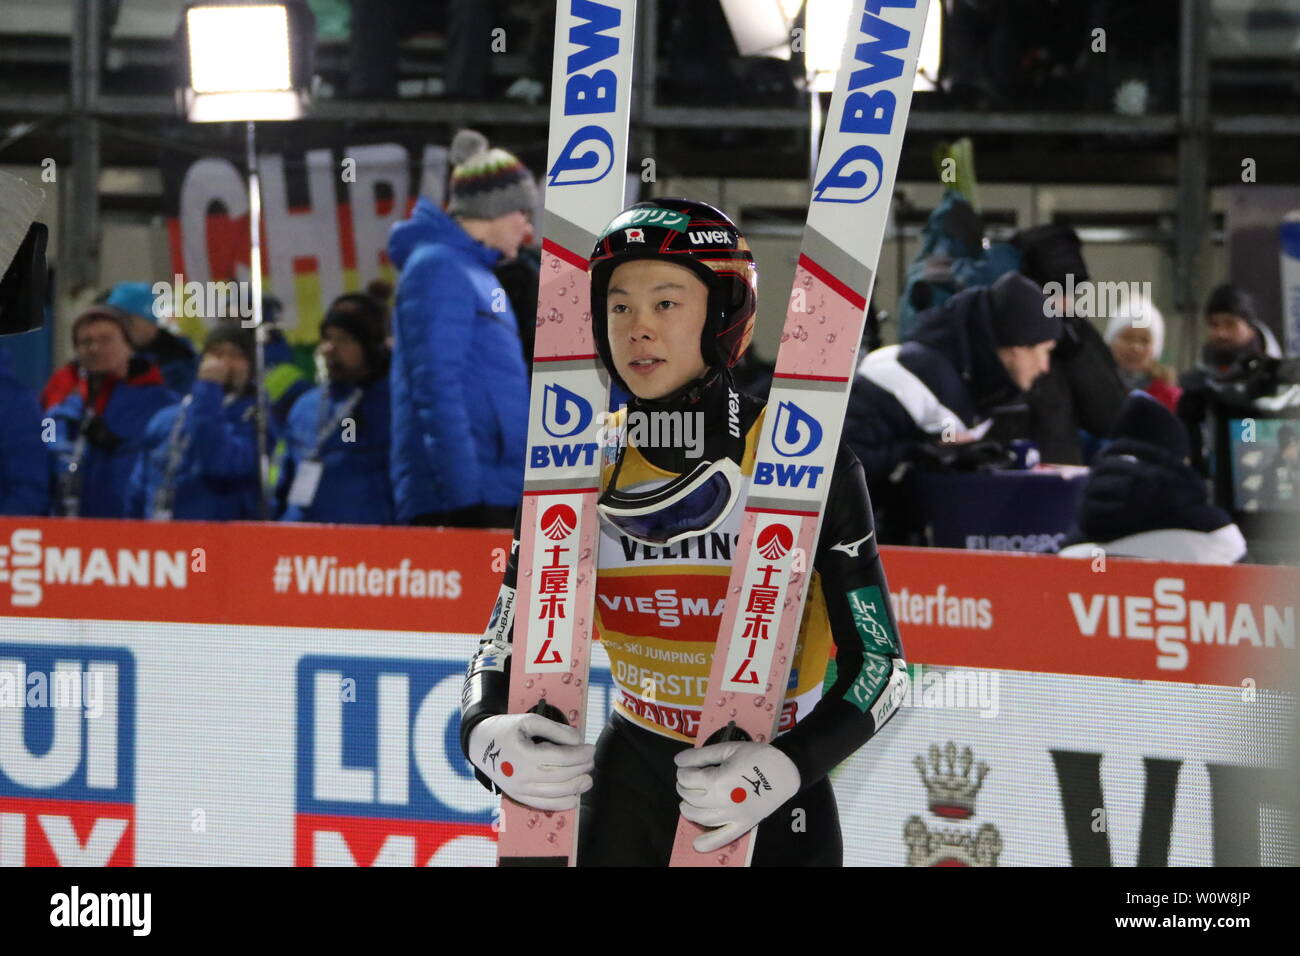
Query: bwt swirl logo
x=558, y=522
x=795, y=433
x=587, y=157
x=775, y=541
x=564, y=413
x=855, y=177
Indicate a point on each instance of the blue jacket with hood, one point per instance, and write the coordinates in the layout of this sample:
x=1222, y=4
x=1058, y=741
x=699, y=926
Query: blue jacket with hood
x=458, y=380
x=216, y=477
x=24, y=458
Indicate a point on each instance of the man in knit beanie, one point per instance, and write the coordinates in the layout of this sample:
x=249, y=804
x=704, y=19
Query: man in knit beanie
x=459, y=382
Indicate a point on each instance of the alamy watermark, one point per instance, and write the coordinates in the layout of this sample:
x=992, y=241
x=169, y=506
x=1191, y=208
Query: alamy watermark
x=656, y=429
x=955, y=688
x=1098, y=300
x=63, y=688
x=205, y=300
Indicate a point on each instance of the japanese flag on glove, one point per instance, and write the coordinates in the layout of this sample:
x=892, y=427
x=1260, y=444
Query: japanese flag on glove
x=534, y=761
x=731, y=787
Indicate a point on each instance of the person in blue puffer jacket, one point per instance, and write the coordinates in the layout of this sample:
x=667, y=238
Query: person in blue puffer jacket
x=24, y=458
x=201, y=462
x=101, y=405
x=459, y=383
x=335, y=467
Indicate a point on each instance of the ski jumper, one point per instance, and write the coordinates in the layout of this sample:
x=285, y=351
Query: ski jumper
x=658, y=611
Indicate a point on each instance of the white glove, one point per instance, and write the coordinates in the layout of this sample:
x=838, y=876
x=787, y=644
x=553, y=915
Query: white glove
x=545, y=776
x=731, y=787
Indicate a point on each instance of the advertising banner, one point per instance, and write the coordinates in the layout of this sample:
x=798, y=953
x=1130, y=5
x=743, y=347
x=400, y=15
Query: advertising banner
x=274, y=695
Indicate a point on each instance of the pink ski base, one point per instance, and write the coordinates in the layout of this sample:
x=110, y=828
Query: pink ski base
x=563, y=288
x=756, y=714
x=526, y=832
x=827, y=352
x=822, y=341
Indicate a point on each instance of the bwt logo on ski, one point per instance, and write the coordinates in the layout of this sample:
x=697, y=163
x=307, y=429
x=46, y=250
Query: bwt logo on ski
x=565, y=413
x=588, y=156
x=380, y=779
x=858, y=173
x=1170, y=620
x=67, y=759
x=795, y=434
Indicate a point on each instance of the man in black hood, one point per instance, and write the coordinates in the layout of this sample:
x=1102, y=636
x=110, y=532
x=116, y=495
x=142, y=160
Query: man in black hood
x=981, y=349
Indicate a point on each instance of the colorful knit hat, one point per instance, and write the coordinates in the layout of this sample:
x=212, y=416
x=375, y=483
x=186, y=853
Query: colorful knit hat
x=485, y=182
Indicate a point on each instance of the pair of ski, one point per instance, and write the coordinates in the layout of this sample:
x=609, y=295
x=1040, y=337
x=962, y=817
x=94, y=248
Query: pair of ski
x=559, y=531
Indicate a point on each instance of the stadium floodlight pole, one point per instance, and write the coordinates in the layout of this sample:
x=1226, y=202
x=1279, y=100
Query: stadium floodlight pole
x=249, y=62
x=259, y=330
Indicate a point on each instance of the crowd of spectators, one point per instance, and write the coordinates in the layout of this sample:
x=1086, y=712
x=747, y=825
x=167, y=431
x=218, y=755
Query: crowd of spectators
x=420, y=412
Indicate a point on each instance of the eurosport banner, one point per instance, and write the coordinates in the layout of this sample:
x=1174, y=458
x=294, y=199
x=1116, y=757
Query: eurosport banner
x=326, y=214
x=247, y=694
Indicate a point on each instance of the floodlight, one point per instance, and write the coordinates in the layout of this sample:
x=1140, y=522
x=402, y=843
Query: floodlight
x=762, y=27
x=246, y=61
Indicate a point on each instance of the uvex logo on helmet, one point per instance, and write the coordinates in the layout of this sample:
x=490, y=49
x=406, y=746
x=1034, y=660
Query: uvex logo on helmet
x=588, y=156
x=857, y=173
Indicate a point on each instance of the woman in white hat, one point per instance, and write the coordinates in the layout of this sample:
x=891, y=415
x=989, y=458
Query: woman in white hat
x=1137, y=339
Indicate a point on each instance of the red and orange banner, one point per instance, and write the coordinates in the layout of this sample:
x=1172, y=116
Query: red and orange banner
x=1109, y=618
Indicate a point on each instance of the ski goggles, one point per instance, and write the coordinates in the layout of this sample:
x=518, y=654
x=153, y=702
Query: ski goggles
x=692, y=504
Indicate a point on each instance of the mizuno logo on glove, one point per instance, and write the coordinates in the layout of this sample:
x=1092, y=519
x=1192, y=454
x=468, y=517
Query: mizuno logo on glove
x=758, y=784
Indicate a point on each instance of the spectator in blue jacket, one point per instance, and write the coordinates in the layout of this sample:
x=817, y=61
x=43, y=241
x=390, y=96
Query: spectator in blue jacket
x=24, y=458
x=101, y=405
x=173, y=354
x=459, y=383
x=953, y=256
x=201, y=462
x=336, y=458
